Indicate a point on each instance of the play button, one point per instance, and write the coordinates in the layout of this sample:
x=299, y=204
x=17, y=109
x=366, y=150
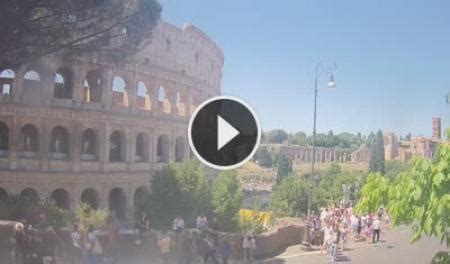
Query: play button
x=224, y=132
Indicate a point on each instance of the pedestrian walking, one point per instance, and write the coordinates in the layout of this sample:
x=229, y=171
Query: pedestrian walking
x=93, y=247
x=225, y=250
x=76, y=243
x=186, y=249
x=376, y=228
x=164, y=245
x=210, y=251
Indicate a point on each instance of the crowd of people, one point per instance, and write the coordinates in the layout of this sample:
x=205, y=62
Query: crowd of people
x=335, y=225
x=178, y=245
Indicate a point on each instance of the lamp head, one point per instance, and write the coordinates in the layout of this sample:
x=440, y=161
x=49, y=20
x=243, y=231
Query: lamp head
x=331, y=82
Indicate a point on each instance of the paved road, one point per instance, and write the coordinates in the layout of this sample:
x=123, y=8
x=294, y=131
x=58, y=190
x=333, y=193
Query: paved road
x=395, y=248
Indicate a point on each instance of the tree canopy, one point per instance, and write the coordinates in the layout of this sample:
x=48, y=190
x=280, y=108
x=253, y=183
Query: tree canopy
x=419, y=196
x=33, y=29
x=376, y=162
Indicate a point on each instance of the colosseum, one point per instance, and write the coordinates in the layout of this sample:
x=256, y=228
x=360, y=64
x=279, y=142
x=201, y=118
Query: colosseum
x=83, y=129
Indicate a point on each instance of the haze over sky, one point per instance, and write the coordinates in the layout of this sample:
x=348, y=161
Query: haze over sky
x=393, y=60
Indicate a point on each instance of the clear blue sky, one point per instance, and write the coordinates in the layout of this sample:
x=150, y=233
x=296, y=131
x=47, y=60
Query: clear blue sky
x=393, y=60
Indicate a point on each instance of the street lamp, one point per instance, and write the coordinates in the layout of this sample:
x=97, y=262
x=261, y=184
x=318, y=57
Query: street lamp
x=323, y=68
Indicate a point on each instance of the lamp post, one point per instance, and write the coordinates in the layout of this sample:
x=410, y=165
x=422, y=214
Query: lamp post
x=322, y=68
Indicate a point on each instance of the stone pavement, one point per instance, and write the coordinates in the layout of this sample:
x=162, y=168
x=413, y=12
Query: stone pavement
x=394, y=248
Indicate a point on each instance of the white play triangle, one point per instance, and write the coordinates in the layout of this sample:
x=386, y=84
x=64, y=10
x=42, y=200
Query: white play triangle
x=225, y=132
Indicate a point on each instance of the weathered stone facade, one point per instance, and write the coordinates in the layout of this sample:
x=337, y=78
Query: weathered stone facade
x=86, y=128
x=304, y=154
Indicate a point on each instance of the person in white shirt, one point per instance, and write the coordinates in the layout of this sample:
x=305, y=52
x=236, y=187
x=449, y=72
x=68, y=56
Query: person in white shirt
x=178, y=224
x=327, y=237
x=376, y=227
x=202, y=222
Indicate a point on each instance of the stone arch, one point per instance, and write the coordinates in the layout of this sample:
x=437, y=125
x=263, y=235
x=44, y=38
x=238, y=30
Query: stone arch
x=117, y=147
x=118, y=203
x=28, y=208
x=61, y=198
x=141, y=150
x=163, y=149
x=29, y=145
x=31, y=80
x=60, y=143
x=6, y=81
x=89, y=145
x=180, y=149
x=119, y=91
x=4, y=139
x=163, y=101
x=140, y=194
x=91, y=197
x=93, y=86
x=143, y=99
x=30, y=195
x=4, y=196
x=63, y=84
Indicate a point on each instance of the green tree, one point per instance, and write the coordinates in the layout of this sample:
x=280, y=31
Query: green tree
x=395, y=168
x=376, y=163
x=165, y=198
x=227, y=197
x=299, y=138
x=276, y=136
x=289, y=198
x=41, y=27
x=284, y=167
x=419, y=196
x=263, y=157
x=374, y=194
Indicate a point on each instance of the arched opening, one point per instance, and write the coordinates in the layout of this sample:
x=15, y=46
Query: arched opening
x=32, y=80
x=28, y=207
x=117, y=203
x=29, y=145
x=61, y=198
x=141, y=154
x=4, y=139
x=4, y=197
x=140, y=198
x=143, y=98
x=119, y=94
x=59, y=143
x=90, y=197
x=180, y=149
x=163, y=101
x=6, y=81
x=181, y=107
x=88, y=145
x=29, y=196
x=63, y=84
x=163, y=149
x=117, y=150
x=93, y=86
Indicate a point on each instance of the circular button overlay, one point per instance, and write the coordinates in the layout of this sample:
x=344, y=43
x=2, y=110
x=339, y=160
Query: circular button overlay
x=224, y=132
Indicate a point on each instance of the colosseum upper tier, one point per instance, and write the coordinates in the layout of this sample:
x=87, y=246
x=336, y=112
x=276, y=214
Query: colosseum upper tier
x=83, y=129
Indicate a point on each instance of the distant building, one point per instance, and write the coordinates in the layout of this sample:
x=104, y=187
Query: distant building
x=390, y=146
x=361, y=155
x=417, y=147
x=304, y=154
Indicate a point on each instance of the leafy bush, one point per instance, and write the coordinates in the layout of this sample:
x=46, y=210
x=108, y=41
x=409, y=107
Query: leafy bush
x=227, y=199
x=255, y=221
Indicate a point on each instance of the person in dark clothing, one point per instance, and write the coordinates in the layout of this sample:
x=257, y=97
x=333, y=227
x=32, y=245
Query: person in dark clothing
x=21, y=243
x=186, y=249
x=225, y=250
x=210, y=250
